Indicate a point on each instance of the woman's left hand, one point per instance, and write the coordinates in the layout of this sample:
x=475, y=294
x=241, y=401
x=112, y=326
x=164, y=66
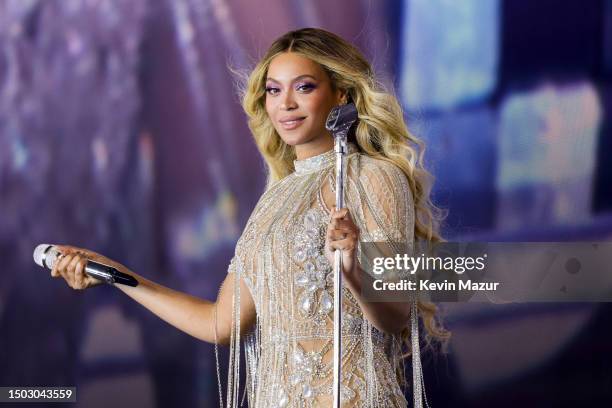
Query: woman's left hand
x=342, y=233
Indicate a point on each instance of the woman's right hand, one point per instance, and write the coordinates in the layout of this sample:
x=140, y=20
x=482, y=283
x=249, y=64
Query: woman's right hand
x=70, y=265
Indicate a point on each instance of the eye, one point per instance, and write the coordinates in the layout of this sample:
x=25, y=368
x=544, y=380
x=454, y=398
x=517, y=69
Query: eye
x=271, y=90
x=305, y=87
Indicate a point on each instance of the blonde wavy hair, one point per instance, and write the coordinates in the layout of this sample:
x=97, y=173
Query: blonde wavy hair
x=381, y=133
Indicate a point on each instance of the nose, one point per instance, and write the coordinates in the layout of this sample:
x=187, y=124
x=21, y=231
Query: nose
x=288, y=102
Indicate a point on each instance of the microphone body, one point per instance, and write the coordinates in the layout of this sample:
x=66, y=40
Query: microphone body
x=45, y=255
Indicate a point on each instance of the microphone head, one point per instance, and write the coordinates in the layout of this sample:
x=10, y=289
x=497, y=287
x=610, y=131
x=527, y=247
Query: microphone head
x=341, y=117
x=45, y=255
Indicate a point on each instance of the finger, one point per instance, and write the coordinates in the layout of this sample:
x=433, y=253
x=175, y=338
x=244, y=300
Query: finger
x=348, y=243
x=335, y=235
x=79, y=274
x=54, y=270
x=69, y=271
x=341, y=233
x=340, y=213
x=64, y=260
x=343, y=245
x=342, y=229
x=343, y=225
x=72, y=267
x=63, y=268
x=64, y=274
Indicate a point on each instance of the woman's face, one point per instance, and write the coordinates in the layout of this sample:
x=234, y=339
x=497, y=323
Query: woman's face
x=299, y=97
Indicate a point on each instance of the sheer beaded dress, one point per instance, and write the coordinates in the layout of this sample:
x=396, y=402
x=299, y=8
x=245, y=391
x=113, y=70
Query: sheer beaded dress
x=280, y=257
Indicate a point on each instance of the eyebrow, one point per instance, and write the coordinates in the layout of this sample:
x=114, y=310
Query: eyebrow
x=294, y=79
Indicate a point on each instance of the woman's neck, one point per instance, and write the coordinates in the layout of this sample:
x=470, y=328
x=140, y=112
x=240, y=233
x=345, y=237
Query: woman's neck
x=314, y=147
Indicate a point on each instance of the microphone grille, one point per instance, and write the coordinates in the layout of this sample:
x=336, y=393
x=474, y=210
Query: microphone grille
x=44, y=255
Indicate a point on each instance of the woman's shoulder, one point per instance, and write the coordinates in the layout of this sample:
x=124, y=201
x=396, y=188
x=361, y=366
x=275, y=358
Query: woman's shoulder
x=274, y=187
x=370, y=166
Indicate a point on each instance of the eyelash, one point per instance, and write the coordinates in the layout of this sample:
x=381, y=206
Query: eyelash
x=309, y=87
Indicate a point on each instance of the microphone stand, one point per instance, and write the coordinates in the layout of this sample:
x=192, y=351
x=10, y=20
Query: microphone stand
x=340, y=147
x=339, y=121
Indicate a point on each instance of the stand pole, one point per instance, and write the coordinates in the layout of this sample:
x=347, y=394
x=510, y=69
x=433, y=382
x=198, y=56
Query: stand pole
x=340, y=147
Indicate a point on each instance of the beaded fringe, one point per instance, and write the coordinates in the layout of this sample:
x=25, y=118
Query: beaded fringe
x=259, y=258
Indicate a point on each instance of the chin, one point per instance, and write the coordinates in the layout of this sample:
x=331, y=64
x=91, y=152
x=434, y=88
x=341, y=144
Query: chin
x=293, y=139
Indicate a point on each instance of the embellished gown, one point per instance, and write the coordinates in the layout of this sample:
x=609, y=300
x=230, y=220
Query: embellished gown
x=280, y=257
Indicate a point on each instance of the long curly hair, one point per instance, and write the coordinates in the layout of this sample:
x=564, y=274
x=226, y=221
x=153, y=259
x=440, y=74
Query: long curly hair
x=381, y=132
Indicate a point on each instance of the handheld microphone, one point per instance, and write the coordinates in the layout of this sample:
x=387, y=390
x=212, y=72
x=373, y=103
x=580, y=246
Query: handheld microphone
x=45, y=255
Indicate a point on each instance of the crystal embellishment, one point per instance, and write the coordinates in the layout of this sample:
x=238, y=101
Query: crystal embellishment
x=315, y=269
x=307, y=364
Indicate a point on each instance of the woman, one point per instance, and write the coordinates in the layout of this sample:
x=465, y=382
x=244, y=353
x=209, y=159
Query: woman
x=278, y=294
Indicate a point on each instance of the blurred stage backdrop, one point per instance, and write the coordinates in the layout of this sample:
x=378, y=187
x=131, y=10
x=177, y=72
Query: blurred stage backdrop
x=120, y=131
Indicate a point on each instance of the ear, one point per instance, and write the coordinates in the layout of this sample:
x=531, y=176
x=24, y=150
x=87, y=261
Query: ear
x=342, y=96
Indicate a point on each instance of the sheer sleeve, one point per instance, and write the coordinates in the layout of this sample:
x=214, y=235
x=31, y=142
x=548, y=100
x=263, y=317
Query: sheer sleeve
x=244, y=262
x=385, y=203
x=245, y=270
x=383, y=209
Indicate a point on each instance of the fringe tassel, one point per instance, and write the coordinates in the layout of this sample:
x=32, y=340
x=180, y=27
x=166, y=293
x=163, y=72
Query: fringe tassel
x=417, y=370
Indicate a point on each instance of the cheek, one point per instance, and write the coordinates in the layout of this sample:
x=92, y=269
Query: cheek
x=319, y=108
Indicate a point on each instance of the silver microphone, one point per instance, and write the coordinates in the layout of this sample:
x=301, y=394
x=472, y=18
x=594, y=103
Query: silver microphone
x=45, y=255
